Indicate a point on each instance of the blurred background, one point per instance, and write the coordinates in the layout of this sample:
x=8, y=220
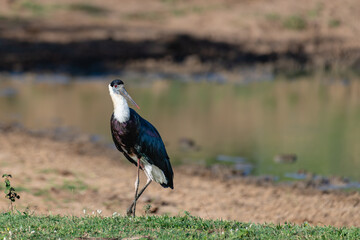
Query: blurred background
x=265, y=87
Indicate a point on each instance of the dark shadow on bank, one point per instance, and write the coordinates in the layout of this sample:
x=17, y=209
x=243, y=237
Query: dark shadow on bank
x=109, y=55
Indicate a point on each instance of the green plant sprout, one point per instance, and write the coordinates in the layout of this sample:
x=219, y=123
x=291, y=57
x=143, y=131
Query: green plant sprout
x=147, y=208
x=10, y=192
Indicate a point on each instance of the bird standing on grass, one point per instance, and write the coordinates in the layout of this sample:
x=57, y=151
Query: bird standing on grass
x=139, y=141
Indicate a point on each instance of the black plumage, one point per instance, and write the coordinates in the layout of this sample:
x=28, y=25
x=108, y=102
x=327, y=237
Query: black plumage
x=138, y=138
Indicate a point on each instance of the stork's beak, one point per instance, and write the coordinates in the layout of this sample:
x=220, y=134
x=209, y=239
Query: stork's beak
x=126, y=95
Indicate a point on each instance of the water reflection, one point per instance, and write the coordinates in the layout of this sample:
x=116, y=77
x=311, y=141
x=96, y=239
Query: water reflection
x=317, y=121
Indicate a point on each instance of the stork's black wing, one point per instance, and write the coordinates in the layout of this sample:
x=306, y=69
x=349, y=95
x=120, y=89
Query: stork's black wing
x=151, y=147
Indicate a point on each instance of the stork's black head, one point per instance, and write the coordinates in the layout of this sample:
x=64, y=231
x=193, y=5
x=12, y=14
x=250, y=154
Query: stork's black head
x=116, y=83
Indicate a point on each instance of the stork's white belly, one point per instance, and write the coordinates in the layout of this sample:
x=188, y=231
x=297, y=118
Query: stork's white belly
x=154, y=173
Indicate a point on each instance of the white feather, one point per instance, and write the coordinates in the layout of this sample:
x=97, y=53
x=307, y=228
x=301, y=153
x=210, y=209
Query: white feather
x=151, y=171
x=154, y=173
x=121, y=108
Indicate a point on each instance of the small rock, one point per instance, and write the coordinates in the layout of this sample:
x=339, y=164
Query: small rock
x=154, y=210
x=187, y=144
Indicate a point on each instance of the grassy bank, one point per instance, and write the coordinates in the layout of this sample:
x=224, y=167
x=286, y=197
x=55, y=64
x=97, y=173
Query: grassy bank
x=20, y=226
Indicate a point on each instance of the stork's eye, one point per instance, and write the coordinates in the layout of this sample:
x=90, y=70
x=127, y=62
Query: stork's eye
x=115, y=86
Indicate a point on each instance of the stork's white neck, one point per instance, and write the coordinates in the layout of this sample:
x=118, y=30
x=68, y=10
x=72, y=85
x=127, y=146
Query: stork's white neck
x=121, y=108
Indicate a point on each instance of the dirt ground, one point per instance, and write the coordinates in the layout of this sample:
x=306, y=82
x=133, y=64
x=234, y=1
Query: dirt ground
x=54, y=176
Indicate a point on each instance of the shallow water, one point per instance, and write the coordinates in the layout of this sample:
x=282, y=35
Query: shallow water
x=314, y=118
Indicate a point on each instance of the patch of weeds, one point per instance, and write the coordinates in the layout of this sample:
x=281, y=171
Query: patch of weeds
x=179, y=12
x=147, y=208
x=33, y=7
x=295, y=22
x=149, y=16
x=169, y=1
x=197, y=9
x=315, y=12
x=273, y=17
x=72, y=186
x=45, y=194
x=67, y=200
x=42, y=192
x=22, y=189
x=333, y=23
x=88, y=9
x=48, y=170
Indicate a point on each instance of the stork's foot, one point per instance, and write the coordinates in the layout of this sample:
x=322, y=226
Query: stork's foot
x=129, y=211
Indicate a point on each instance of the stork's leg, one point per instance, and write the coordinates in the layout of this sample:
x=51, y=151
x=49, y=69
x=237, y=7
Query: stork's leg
x=136, y=185
x=130, y=209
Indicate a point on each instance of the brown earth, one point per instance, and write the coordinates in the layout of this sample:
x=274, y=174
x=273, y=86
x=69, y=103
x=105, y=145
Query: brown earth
x=65, y=176
x=148, y=34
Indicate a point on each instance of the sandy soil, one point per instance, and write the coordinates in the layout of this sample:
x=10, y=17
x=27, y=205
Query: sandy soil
x=65, y=177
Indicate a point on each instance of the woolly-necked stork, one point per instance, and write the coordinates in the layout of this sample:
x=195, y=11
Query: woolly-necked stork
x=139, y=141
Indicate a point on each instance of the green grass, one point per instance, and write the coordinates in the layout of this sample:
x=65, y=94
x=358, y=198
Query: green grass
x=316, y=11
x=88, y=9
x=48, y=170
x=295, y=22
x=18, y=188
x=273, y=16
x=35, y=8
x=150, y=16
x=333, y=23
x=74, y=186
x=23, y=226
